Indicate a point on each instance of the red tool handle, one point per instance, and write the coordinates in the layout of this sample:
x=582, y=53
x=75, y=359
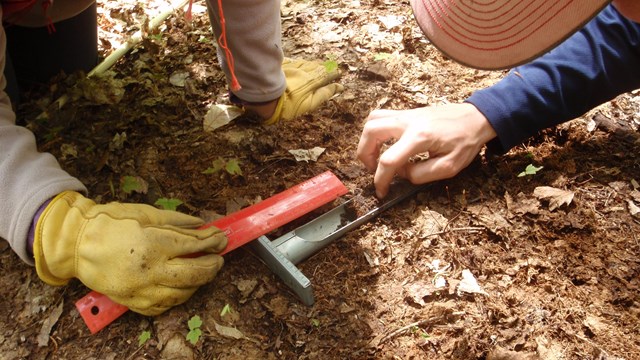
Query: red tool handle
x=241, y=227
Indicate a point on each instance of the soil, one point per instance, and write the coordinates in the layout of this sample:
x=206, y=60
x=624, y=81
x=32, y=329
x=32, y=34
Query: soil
x=486, y=265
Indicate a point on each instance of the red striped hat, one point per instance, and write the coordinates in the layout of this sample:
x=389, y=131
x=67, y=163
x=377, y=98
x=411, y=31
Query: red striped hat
x=499, y=34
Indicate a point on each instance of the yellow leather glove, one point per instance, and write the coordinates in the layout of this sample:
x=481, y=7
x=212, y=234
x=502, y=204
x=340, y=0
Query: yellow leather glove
x=132, y=253
x=309, y=84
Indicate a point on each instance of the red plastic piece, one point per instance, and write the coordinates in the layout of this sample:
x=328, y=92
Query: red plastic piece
x=241, y=227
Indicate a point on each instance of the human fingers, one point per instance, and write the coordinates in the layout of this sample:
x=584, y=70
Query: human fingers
x=185, y=273
x=440, y=166
x=395, y=160
x=381, y=126
x=178, y=242
x=156, y=300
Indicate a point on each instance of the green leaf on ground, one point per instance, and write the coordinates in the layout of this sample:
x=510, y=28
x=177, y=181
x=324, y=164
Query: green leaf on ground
x=226, y=310
x=144, y=337
x=168, y=204
x=233, y=167
x=331, y=65
x=530, y=170
x=218, y=164
x=129, y=184
x=194, y=329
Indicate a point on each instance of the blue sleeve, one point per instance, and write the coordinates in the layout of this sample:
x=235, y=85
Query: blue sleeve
x=593, y=66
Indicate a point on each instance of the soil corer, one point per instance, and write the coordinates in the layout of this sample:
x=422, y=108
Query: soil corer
x=282, y=254
x=241, y=227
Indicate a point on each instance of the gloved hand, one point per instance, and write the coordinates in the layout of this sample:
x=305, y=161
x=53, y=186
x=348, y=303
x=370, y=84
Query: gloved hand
x=309, y=84
x=132, y=253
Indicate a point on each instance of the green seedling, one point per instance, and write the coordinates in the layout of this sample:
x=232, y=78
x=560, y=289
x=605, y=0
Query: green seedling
x=417, y=330
x=315, y=322
x=330, y=65
x=156, y=37
x=530, y=170
x=144, y=337
x=381, y=56
x=226, y=310
x=129, y=184
x=231, y=166
x=194, y=329
x=168, y=204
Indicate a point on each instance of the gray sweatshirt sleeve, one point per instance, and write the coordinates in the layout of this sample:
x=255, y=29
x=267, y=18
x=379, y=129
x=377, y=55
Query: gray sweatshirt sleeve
x=28, y=177
x=253, y=33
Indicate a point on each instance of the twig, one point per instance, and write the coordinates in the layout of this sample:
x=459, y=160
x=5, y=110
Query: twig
x=405, y=328
x=135, y=39
x=470, y=229
x=135, y=352
x=118, y=53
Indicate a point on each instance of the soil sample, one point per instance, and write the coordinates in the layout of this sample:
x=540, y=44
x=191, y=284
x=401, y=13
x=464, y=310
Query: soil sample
x=365, y=201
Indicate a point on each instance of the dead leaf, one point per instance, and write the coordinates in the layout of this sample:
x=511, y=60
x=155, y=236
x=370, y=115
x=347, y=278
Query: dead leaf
x=634, y=210
x=102, y=89
x=549, y=349
x=246, y=286
x=521, y=204
x=47, y=325
x=220, y=115
x=228, y=331
x=391, y=21
x=178, y=78
x=595, y=325
x=500, y=353
x=307, y=154
x=430, y=222
x=378, y=71
x=556, y=197
x=469, y=284
x=417, y=291
x=235, y=204
x=68, y=151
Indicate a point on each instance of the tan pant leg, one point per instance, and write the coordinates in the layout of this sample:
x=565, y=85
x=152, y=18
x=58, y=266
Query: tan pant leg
x=253, y=32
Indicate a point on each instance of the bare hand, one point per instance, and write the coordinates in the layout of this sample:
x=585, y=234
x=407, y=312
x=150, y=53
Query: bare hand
x=451, y=136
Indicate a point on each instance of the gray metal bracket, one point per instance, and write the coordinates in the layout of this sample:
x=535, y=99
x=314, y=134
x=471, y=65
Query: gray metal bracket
x=282, y=254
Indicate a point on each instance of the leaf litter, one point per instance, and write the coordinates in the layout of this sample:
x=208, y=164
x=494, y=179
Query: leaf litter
x=561, y=282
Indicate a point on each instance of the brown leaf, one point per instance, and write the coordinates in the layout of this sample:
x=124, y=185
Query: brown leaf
x=556, y=197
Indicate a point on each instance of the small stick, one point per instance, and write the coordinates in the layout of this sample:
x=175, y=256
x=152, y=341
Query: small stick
x=118, y=53
x=406, y=328
x=135, y=39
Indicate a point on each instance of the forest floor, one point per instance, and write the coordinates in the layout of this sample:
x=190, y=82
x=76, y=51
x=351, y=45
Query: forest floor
x=487, y=265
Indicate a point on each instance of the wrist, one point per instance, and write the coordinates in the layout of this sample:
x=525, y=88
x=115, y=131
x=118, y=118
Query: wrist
x=483, y=127
x=56, y=235
x=32, y=228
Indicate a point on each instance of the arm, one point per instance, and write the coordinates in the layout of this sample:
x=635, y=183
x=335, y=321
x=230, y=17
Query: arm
x=29, y=178
x=593, y=66
x=149, y=269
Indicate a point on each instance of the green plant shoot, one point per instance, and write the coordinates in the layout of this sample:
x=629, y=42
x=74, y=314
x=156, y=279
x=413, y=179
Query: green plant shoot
x=233, y=167
x=194, y=329
x=130, y=184
x=381, y=56
x=218, y=164
x=530, y=170
x=330, y=65
x=168, y=204
x=226, y=310
x=144, y=337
